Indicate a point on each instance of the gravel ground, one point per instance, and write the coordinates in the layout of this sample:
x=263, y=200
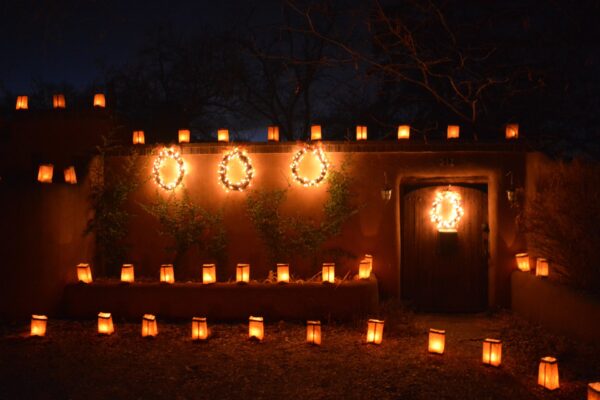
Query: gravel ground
x=72, y=361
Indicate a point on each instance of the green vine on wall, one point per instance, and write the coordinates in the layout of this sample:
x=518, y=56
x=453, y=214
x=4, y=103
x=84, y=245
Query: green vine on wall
x=285, y=236
x=189, y=224
x=111, y=184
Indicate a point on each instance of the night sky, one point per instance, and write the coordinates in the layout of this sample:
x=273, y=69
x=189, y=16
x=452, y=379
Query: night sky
x=74, y=41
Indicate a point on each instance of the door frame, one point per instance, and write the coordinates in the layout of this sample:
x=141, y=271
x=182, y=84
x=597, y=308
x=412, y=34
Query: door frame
x=403, y=182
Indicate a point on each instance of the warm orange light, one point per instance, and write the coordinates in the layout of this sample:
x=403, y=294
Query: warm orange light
x=313, y=332
x=522, y=261
x=84, y=273
x=593, y=391
x=149, y=326
x=138, y=137
x=315, y=132
x=45, y=172
x=105, y=324
x=242, y=273
x=99, y=100
x=548, y=373
x=70, y=175
x=209, y=273
x=273, y=134
x=184, y=135
x=364, y=269
x=22, y=103
x=127, y=273
x=437, y=341
x=403, y=132
x=375, y=331
x=361, y=132
x=512, y=131
x=38, y=325
x=492, y=352
x=283, y=272
x=328, y=272
x=453, y=132
x=167, y=274
x=446, y=210
x=58, y=101
x=541, y=267
x=199, y=329
x=223, y=135
x=256, y=328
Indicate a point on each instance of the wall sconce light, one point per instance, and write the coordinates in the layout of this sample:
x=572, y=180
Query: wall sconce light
x=512, y=193
x=386, y=191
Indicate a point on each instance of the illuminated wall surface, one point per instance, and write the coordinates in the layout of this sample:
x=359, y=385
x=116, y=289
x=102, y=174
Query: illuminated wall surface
x=374, y=230
x=49, y=219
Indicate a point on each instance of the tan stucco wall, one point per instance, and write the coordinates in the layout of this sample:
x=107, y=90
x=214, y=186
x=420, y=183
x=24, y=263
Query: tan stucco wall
x=376, y=228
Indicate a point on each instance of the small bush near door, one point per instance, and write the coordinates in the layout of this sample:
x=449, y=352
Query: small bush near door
x=562, y=221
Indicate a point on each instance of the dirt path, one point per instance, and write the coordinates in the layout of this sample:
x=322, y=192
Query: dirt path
x=72, y=361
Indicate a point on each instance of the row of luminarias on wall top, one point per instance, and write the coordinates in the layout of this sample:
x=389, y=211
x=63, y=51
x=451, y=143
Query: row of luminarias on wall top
x=452, y=132
x=99, y=101
x=59, y=102
x=242, y=272
x=241, y=157
x=548, y=376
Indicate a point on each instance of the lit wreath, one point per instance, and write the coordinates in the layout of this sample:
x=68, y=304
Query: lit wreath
x=158, y=163
x=446, y=224
x=224, y=167
x=320, y=154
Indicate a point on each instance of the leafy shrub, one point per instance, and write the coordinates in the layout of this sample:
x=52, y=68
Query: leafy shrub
x=188, y=224
x=563, y=222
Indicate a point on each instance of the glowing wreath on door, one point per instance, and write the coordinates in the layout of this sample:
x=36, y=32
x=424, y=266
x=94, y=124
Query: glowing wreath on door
x=158, y=164
x=444, y=219
x=320, y=154
x=224, y=168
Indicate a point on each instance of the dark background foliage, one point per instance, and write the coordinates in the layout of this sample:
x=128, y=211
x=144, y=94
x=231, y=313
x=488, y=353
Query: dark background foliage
x=292, y=63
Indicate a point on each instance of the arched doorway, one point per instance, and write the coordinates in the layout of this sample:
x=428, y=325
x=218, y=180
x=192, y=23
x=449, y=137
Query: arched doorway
x=444, y=271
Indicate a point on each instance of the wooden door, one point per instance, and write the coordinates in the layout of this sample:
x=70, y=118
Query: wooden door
x=444, y=271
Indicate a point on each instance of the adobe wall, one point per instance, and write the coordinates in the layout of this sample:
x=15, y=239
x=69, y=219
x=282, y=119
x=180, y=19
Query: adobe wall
x=375, y=229
x=42, y=242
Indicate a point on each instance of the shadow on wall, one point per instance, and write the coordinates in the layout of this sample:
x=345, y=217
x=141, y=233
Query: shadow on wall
x=41, y=242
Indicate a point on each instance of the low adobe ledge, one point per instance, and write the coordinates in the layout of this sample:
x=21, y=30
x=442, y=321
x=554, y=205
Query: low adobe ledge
x=223, y=301
x=556, y=307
